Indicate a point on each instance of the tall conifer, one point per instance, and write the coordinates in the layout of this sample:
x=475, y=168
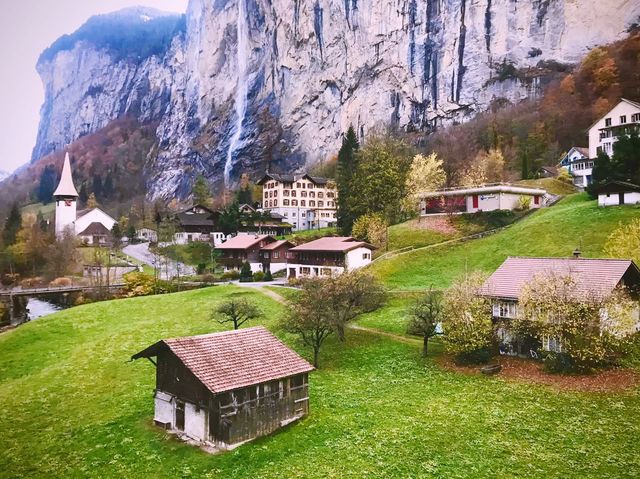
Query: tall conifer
x=347, y=163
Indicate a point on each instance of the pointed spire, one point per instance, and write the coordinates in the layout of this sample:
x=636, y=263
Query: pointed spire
x=65, y=187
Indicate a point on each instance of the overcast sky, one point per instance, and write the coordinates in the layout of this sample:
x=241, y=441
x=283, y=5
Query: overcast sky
x=26, y=28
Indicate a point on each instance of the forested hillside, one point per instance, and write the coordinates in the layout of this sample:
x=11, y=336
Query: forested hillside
x=535, y=133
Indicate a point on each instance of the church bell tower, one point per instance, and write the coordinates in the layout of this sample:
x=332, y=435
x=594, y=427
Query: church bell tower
x=66, y=198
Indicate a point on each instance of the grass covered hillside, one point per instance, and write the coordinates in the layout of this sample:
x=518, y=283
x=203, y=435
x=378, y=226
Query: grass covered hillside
x=576, y=221
x=74, y=407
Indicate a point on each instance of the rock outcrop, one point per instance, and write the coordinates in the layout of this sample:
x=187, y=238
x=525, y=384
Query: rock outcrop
x=255, y=84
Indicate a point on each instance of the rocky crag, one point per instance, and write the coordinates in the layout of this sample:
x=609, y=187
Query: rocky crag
x=246, y=85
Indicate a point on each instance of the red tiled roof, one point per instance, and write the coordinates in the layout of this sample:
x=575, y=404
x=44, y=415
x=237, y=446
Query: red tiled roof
x=333, y=243
x=276, y=245
x=591, y=276
x=243, y=241
x=234, y=359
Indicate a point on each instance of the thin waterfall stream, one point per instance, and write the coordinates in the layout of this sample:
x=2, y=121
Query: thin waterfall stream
x=242, y=88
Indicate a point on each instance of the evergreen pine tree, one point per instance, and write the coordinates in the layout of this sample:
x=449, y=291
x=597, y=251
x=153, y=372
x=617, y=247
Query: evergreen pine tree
x=12, y=225
x=200, y=192
x=83, y=194
x=347, y=163
x=97, y=186
x=48, y=180
x=268, y=276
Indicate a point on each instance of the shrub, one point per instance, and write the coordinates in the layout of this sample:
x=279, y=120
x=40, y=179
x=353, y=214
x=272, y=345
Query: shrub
x=245, y=273
x=231, y=275
x=268, y=276
x=208, y=278
x=258, y=276
x=524, y=203
x=477, y=356
x=138, y=284
x=60, y=282
x=558, y=363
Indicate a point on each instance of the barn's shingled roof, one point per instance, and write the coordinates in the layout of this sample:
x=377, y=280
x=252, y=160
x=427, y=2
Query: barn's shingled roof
x=591, y=276
x=233, y=359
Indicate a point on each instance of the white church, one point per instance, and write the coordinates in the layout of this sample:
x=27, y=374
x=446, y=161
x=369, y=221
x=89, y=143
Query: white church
x=92, y=226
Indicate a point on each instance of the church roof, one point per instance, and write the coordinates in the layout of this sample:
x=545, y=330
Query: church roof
x=65, y=187
x=95, y=229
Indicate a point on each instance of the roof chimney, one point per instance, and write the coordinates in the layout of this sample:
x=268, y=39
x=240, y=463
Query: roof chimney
x=577, y=253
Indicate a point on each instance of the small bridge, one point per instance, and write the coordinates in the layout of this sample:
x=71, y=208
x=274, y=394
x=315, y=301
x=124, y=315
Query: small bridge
x=10, y=293
x=16, y=298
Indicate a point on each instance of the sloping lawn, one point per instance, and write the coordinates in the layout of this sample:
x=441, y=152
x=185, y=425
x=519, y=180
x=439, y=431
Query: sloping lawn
x=74, y=407
x=552, y=185
x=556, y=231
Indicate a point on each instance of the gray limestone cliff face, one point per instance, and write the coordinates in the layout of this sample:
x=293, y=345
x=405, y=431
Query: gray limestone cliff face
x=256, y=84
x=85, y=90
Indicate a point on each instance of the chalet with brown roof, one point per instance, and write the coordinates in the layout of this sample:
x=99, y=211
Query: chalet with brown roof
x=262, y=252
x=331, y=255
x=198, y=223
x=590, y=276
x=227, y=388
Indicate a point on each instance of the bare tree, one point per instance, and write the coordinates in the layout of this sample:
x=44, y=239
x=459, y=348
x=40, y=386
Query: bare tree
x=236, y=311
x=426, y=313
x=308, y=317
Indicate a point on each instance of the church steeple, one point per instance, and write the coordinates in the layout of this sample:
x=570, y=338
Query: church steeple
x=65, y=188
x=66, y=198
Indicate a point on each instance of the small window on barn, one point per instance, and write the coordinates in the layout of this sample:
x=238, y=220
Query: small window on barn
x=297, y=381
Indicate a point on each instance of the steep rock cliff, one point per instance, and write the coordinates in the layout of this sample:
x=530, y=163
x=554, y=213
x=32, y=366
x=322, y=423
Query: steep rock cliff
x=256, y=84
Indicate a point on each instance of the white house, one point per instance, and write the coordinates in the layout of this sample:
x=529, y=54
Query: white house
x=616, y=193
x=577, y=162
x=499, y=196
x=328, y=256
x=147, y=234
x=620, y=120
x=93, y=226
x=306, y=202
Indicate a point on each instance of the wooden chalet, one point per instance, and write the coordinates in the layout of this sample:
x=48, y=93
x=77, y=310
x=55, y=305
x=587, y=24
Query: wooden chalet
x=328, y=256
x=262, y=252
x=227, y=388
x=197, y=223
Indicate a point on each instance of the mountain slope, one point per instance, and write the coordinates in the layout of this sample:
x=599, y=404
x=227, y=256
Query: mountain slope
x=575, y=222
x=256, y=84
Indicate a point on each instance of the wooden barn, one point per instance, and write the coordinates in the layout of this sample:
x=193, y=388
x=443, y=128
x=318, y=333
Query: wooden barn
x=227, y=388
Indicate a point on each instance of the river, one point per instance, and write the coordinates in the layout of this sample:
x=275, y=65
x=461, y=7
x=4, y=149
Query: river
x=37, y=308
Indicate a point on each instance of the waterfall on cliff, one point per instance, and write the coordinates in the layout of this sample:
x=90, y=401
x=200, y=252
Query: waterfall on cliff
x=242, y=88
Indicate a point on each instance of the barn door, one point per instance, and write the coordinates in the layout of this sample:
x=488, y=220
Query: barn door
x=179, y=415
x=475, y=201
x=621, y=198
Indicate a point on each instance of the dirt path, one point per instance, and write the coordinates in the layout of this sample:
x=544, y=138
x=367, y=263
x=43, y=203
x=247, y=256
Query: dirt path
x=397, y=337
x=267, y=292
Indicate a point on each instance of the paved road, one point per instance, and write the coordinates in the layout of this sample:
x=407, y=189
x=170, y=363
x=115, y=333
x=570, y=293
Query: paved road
x=168, y=267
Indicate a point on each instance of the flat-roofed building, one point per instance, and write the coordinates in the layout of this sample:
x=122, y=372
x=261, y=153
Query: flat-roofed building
x=498, y=196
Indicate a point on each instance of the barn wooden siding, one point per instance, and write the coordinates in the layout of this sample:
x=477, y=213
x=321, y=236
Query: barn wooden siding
x=258, y=410
x=239, y=415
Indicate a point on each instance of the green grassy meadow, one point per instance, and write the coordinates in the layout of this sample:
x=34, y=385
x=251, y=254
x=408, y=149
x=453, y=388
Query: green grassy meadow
x=556, y=231
x=75, y=407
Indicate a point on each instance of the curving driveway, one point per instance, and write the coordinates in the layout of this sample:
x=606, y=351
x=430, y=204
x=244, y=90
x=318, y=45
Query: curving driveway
x=168, y=268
